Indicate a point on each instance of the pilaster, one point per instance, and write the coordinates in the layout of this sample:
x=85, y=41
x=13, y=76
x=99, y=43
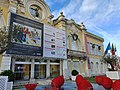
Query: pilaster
x=32, y=68
x=48, y=69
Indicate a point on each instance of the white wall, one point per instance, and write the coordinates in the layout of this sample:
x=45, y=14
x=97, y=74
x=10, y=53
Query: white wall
x=6, y=62
x=99, y=68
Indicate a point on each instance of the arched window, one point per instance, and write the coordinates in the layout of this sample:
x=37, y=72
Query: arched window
x=74, y=45
x=35, y=11
x=69, y=71
x=97, y=67
x=101, y=69
x=91, y=66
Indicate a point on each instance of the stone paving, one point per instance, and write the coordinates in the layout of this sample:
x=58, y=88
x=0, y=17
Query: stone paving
x=68, y=85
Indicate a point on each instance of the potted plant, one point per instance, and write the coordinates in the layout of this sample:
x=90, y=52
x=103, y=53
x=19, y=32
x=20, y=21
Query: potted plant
x=10, y=75
x=73, y=74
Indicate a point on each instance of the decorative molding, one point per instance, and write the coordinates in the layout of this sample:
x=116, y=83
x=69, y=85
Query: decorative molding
x=94, y=36
x=73, y=53
x=42, y=5
x=1, y=10
x=75, y=36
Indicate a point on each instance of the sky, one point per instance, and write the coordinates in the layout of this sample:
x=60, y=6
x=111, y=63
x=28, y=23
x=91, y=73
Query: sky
x=101, y=17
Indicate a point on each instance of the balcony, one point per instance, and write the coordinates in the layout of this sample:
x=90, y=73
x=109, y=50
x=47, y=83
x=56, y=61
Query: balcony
x=76, y=54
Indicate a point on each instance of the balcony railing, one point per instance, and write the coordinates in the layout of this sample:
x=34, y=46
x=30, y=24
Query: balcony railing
x=74, y=53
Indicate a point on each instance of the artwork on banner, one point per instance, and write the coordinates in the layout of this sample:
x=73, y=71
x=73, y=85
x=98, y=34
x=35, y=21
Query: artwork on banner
x=26, y=35
x=54, y=42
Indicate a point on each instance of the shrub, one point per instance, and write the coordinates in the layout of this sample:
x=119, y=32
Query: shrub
x=8, y=73
x=74, y=72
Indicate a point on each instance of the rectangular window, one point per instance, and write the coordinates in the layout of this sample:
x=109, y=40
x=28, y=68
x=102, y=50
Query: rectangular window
x=40, y=71
x=22, y=71
x=54, y=71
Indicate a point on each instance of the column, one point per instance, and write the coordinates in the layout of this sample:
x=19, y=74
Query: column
x=48, y=69
x=13, y=64
x=32, y=68
x=79, y=67
x=61, y=67
x=65, y=69
x=87, y=70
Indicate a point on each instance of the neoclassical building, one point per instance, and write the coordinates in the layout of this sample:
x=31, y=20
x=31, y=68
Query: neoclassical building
x=83, y=51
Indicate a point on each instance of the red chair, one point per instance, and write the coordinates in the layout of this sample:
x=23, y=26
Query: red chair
x=82, y=83
x=30, y=86
x=78, y=79
x=99, y=79
x=116, y=85
x=85, y=85
x=57, y=82
x=107, y=83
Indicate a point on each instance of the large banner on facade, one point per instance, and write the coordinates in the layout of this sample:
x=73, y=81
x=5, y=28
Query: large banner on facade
x=54, y=43
x=25, y=36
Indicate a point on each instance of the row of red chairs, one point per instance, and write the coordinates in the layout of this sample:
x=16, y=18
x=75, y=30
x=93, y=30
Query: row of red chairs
x=81, y=82
x=107, y=83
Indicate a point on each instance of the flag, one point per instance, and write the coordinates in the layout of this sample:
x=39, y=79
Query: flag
x=108, y=48
x=113, y=50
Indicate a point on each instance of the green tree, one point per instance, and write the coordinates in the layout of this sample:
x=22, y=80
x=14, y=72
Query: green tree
x=3, y=38
x=112, y=60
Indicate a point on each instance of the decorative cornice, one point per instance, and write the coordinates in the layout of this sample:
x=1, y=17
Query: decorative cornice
x=60, y=18
x=83, y=26
x=95, y=36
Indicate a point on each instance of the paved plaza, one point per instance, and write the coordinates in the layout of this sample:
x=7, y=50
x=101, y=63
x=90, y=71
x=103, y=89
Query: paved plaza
x=68, y=85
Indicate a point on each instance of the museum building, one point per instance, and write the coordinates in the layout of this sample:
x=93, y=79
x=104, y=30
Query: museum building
x=40, y=46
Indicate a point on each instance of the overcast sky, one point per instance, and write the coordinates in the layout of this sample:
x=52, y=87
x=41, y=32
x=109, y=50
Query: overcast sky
x=101, y=17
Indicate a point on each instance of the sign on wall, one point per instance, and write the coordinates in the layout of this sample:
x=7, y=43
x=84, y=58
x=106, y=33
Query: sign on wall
x=25, y=36
x=54, y=43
